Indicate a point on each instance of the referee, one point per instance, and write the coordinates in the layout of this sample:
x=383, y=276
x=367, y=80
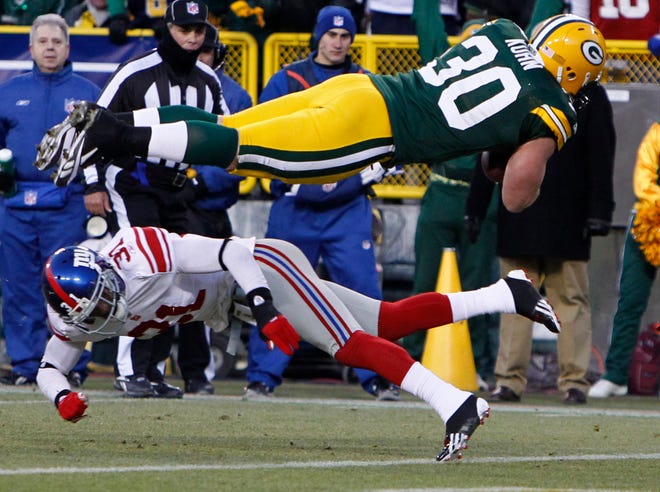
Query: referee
x=135, y=192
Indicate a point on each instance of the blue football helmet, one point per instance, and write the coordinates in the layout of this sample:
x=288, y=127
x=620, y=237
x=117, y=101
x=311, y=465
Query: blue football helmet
x=82, y=287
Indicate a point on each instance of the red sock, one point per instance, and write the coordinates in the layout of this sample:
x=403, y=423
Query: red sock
x=419, y=312
x=381, y=356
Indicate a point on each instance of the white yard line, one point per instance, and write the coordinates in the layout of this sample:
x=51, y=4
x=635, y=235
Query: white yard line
x=114, y=396
x=323, y=464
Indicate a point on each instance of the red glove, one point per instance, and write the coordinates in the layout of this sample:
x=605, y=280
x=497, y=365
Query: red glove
x=72, y=406
x=279, y=331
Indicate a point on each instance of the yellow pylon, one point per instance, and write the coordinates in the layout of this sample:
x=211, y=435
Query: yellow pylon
x=448, y=350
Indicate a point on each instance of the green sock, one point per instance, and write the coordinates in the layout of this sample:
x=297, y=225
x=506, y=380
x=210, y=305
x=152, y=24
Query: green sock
x=172, y=114
x=210, y=144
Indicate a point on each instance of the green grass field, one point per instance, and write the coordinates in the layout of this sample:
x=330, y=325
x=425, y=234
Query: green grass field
x=320, y=437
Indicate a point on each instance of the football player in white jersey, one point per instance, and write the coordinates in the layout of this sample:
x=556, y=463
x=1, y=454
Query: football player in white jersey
x=147, y=279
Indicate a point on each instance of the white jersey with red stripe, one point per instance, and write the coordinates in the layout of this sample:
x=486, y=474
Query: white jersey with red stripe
x=169, y=279
x=172, y=279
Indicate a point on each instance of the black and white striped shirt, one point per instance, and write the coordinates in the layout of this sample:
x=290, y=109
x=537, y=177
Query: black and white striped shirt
x=148, y=81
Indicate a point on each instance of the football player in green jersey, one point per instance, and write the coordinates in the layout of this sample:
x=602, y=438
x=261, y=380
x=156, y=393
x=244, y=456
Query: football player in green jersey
x=494, y=90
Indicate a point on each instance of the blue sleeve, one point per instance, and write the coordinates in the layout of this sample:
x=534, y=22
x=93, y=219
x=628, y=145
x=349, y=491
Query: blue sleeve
x=88, y=90
x=278, y=188
x=96, y=90
x=4, y=126
x=243, y=101
x=328, y=196
x=235, y=95
x=5, y=115
x=277, y=86
x=222, y=188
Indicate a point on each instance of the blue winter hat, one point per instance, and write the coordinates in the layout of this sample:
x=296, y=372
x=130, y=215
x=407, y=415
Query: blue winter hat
x=334, y=17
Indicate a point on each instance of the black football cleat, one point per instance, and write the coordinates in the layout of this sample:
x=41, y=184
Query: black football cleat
x=461, y=425
x=164, y=390
x=529, y=303
x=134, y=386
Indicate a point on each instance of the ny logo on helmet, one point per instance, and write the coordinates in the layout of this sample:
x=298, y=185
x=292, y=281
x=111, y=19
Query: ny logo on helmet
x=83, y=257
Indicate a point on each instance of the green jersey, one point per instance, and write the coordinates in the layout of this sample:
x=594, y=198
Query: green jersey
x=489, y=92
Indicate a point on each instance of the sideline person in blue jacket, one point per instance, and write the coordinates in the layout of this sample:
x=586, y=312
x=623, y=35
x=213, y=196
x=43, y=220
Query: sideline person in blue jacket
x=40, y=217
x=330, y=221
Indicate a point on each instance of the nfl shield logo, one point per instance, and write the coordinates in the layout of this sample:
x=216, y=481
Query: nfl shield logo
x=192, y=8
x=68, y=105
x=338, y=21
x=30, y=197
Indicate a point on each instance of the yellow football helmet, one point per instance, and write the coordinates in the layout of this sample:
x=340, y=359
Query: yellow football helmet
x=572, y=49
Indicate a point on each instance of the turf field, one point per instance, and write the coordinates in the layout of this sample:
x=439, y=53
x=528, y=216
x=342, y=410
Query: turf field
x=320, y=437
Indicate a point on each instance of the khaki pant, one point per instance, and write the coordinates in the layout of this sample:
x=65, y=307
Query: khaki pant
x=566, y=286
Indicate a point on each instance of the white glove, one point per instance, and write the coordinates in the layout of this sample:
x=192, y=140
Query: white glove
x=293, y=191
x=372, y=174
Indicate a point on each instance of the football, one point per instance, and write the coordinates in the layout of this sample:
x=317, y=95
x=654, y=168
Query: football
x=493, y=168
